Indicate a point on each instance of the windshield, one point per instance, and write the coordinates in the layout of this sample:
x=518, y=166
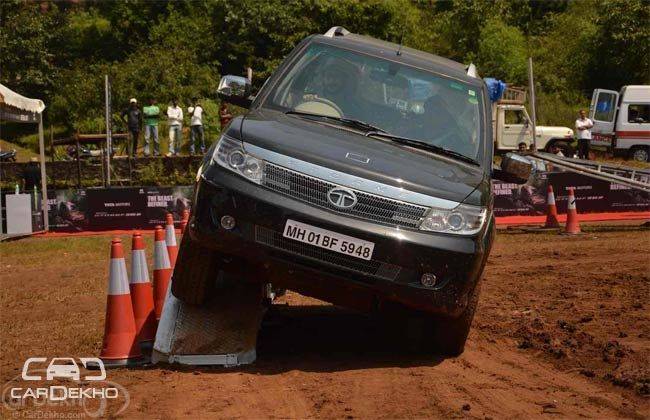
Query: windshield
x=394, y=97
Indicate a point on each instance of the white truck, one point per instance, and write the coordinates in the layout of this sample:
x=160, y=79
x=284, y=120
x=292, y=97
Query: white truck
x=511, y=126
x=622, y=121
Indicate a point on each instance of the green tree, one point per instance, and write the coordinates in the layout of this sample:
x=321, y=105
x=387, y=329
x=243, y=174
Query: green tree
x=502, y=52
x=59, y=51
x=621, y=50
x=28, y=40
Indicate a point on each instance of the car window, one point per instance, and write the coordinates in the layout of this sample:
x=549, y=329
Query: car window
x=605, y=107
x=638, y=113
x=514, y=117
x=399, y=99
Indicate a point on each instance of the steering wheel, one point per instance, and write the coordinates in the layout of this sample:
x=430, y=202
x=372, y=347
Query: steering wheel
x=321, y=106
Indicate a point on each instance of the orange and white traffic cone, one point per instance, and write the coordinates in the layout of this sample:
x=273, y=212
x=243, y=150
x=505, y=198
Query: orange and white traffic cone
x=572, y=224
x=170, y=239
x=551, y=210
x=142, y=294
x=162, y=271
x=120, y=346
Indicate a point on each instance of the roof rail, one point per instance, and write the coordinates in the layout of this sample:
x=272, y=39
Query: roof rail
x=336, y=31
x=471, y=70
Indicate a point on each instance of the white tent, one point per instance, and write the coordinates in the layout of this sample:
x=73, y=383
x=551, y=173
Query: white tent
x=17, y=108
x=10, y=98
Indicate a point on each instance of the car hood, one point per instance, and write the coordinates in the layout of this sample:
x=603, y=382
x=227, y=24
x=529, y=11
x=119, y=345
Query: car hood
x=556, y=131
x=389, y=163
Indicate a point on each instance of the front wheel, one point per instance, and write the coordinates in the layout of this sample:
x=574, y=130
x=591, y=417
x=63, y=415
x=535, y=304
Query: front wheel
x=640, y=154
x=424, y=332
x=564, y=146
x=447, y=336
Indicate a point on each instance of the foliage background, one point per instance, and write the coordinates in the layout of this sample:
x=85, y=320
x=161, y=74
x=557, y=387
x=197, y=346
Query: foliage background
x=59, y=51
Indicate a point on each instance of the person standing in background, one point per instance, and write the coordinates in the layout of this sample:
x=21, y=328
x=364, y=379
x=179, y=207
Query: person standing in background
x=133, y=119
x=196, y=126
x=583, y=127
x=175, y=116
x=224, y=115
x=151, y=116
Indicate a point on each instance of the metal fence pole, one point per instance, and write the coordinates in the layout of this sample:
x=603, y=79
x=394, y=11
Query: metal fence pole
x=533, y=109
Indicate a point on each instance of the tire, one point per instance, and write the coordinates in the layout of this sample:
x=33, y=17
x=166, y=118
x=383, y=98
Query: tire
x=423, y=332
x=196, y=272
x=565, y=147
x=640, y=154
x=447, y=336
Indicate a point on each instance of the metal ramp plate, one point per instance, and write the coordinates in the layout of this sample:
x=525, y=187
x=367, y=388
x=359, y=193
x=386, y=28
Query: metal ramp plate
x=222, y=331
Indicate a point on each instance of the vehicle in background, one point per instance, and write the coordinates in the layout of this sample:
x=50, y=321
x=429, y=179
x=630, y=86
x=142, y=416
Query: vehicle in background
x=8, y=155
x=511, y=125
x=622, y=121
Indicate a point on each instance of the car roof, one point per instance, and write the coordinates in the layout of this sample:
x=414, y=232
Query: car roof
x=340, y=37
x=635, y=93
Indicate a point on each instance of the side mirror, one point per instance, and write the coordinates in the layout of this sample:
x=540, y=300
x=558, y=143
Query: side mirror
x=235, y=90
x=514, y=168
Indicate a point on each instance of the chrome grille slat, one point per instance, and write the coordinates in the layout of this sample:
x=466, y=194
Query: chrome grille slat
x=373, y=268
x=314, y=191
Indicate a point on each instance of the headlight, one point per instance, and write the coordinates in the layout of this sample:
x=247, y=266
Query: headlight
x=230, y=154
x=463, y=220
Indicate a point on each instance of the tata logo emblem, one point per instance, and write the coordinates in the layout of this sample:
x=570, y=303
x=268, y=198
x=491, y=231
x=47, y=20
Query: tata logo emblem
x=343, y=198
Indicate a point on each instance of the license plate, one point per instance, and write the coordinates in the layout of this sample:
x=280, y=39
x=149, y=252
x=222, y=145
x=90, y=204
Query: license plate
x=327, y=239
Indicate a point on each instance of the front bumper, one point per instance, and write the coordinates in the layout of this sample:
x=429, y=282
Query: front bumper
x=400, y=256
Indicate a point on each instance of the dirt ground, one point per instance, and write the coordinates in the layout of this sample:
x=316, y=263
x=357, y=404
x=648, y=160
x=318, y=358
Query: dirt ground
x=562, y=329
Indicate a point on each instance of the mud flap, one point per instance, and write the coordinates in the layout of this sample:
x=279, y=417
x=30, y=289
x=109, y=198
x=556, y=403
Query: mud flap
x=222, y=331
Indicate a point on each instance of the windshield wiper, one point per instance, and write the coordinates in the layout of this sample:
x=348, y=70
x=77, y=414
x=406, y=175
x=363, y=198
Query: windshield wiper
x=350, y=122
x=424, y=146
x=371, y=130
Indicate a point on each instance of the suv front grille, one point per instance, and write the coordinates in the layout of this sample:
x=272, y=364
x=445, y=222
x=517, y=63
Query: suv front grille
x=314, y=191
x=374, y=268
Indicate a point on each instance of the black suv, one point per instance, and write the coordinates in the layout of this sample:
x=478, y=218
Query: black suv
x=360, y=175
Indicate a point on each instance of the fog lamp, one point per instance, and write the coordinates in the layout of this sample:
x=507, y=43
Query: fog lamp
x=428, y=280
x=227, y=222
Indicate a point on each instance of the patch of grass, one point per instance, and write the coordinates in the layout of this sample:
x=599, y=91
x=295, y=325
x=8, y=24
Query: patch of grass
x=30, y=141
x=155, y=174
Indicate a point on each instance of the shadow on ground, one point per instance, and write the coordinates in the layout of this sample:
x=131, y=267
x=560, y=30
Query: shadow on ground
x=329, y=338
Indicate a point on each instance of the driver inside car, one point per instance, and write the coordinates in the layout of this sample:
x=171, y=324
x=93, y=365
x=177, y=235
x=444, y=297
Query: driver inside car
x=335, y=88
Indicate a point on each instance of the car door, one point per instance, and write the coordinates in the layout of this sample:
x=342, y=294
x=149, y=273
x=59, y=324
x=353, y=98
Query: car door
x=515, y=129
x=602, y=111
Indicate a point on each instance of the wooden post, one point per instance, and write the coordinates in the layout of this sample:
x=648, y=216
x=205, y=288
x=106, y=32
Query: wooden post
x=41, y=145
x=76, y=137
x=51, y=143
